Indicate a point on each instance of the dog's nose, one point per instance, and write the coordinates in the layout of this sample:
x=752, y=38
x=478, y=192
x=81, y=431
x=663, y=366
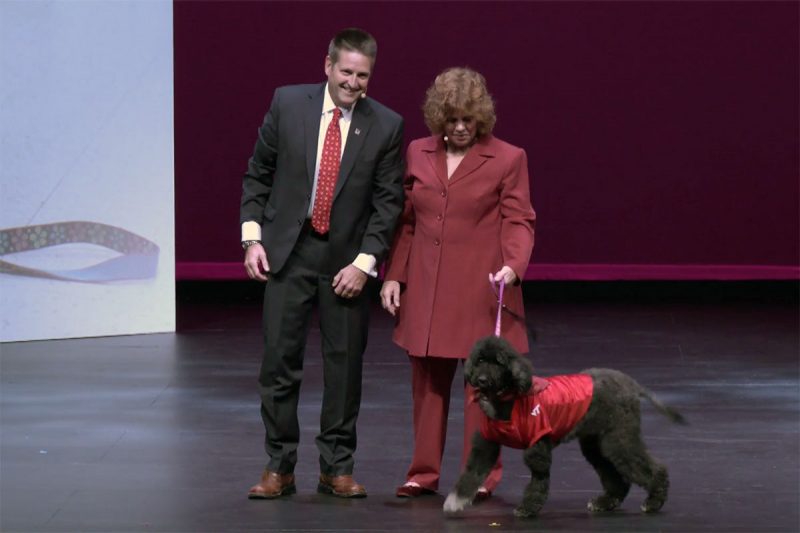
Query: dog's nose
x=482, y=381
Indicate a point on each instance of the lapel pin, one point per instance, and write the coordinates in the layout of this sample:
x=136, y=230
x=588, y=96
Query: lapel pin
x=358, y=131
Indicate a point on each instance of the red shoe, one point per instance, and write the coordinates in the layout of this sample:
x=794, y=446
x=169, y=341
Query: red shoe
x=412, y=490
x=482, y=495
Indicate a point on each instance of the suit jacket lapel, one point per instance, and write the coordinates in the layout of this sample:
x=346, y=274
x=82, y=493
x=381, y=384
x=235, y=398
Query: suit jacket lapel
x=357, y=134
x=435, y=154
x=475, y=158
x=311, y=125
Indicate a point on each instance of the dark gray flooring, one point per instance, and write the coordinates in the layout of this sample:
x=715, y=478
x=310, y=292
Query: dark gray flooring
x=162, y=432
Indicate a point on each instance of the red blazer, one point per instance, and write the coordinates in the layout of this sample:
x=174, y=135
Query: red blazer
x=451, y=235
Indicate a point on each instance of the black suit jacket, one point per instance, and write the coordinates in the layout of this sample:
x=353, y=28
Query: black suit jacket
x=368, y=196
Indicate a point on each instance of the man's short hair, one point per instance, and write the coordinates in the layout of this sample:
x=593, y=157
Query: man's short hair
x=354, y=40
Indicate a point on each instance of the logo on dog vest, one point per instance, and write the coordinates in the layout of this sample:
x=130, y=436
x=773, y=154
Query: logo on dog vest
x=536, y=410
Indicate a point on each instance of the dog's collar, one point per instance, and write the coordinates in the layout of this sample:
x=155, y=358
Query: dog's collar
x=504, y=396
x=538, y=385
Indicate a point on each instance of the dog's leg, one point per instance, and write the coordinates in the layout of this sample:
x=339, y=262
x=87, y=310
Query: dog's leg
x=481, y=459
x=615, y=487
x=538, y=459
x=629, y=455
x=657, y=492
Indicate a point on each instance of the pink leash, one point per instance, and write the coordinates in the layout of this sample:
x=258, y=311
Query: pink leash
x=539, y=384
x=499, y=303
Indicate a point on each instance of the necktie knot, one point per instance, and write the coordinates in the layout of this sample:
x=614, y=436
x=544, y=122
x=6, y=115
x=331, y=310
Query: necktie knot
x=337, y=114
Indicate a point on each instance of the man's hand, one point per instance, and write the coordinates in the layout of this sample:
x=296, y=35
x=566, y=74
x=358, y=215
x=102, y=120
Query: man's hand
x=349, y=281
x=506, y=274
x=390, y=296
x=255, y=262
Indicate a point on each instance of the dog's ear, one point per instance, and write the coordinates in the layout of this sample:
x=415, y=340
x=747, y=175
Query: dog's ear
x=482, y=349
x=469, y=363
x=468, y=366
x=521, y=373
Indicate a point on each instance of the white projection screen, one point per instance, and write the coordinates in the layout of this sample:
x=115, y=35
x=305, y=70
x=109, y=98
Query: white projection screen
x=87, y=199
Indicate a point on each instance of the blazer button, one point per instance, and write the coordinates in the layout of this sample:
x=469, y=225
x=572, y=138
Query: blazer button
x=299, y=221
x=438, y=217
x=444, y=193
x=436, y=242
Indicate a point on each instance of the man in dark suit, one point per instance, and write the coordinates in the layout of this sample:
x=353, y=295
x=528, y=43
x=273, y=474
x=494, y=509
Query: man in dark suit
x=320, y=199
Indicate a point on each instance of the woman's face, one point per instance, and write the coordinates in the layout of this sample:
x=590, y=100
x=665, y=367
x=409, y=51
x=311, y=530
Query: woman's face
x=460, y=130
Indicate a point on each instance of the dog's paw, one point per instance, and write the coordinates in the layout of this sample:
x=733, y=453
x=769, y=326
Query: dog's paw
x=652, y=505
x=603, y=504
x=522, y=512
x=454, y=503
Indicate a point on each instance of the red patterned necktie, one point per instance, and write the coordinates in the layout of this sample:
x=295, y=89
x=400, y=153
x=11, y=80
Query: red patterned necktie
x=328, y=174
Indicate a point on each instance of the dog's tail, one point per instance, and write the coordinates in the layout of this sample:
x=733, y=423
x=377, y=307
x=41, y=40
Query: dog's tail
x=665, y=410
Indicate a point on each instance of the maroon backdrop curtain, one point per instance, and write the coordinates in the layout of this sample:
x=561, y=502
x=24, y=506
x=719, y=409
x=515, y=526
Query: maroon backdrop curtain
x=662, y=136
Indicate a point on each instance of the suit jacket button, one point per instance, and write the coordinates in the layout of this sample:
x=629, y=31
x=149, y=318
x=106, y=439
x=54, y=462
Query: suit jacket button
x=444, y=193
x=436, y=242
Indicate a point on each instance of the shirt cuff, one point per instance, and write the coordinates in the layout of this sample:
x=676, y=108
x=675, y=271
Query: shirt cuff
x=366, y=263
x=251, y=231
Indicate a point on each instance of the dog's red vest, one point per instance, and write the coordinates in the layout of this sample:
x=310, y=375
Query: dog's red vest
x=552, y=412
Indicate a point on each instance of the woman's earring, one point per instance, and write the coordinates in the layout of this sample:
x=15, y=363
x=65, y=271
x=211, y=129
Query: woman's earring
x=445, y=138
x=363, y=95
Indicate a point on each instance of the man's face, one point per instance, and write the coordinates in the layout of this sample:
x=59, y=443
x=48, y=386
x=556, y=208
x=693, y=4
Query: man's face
x=348, y=77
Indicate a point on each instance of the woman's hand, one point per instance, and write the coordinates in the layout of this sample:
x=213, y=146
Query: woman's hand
x=505, y=274
x=390, y=296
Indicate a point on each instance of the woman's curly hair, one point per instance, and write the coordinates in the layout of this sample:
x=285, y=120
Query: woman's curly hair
x=459, y=90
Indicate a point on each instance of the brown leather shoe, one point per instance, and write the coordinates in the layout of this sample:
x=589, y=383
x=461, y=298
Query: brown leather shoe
x=341, y=486
x=272, y=485
x=412, y=491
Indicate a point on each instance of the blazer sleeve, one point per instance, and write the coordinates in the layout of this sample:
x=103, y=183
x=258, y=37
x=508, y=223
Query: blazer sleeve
x=257, y=181
x=387, y=197
x=397, y=265
x=517, y=216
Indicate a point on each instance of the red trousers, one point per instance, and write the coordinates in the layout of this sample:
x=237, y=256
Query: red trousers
x=431, y=380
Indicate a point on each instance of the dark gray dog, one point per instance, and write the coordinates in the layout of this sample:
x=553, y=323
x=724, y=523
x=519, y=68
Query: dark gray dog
x=598, y=406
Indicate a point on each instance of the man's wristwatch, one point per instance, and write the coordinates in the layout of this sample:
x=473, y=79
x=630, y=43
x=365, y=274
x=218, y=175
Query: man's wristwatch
x=248, y=244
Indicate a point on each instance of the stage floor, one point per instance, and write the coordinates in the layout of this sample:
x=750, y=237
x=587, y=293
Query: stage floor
x=162, y=432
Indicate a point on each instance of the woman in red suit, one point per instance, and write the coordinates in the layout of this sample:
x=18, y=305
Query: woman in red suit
x=467, y=214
